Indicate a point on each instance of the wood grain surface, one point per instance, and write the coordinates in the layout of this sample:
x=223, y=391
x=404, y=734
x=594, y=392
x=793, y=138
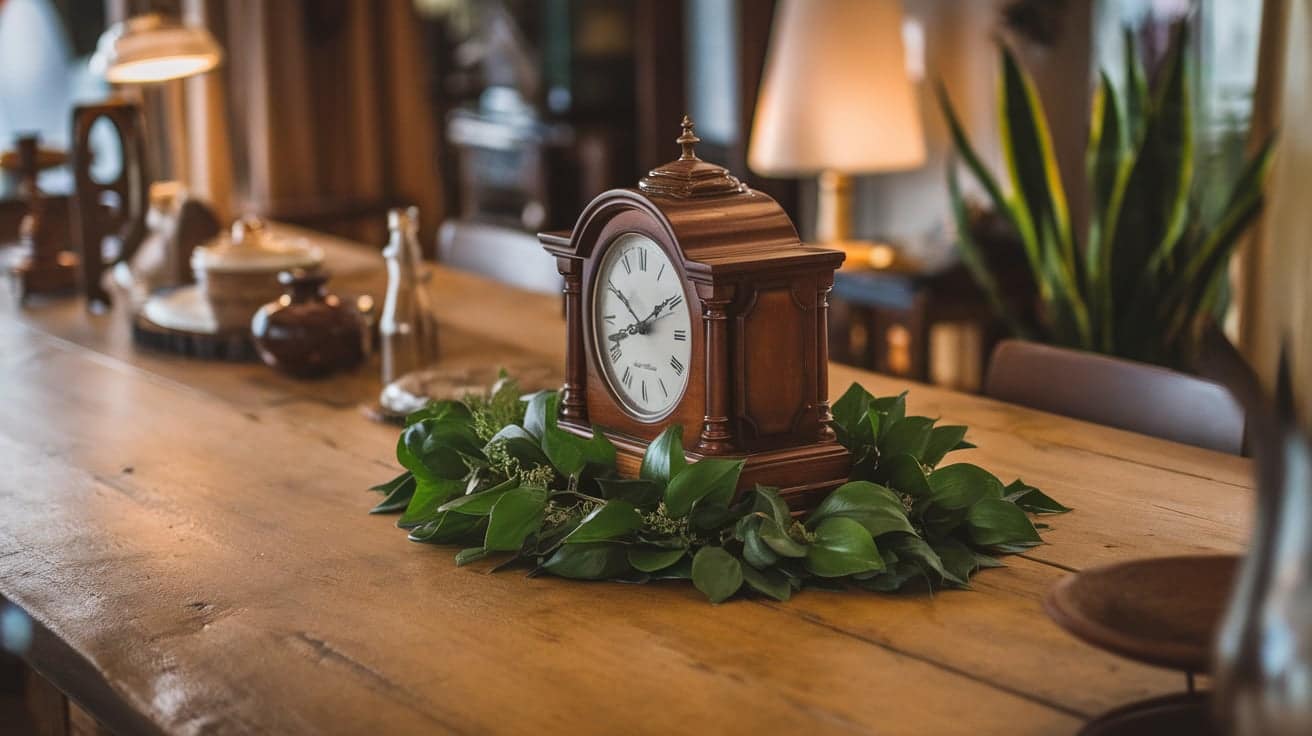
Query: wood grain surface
x=191, y=543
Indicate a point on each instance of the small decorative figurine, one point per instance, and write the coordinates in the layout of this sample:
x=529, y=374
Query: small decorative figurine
x=407, y=328
x=46, y=265
x=690, y=300
x=308, y=332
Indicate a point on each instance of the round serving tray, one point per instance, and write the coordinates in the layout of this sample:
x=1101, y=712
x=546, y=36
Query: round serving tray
x=1161, y=611
x=178, y=321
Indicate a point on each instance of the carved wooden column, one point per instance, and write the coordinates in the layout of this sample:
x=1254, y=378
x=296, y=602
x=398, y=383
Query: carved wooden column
x=822, y=414
x=573, y=404
x=716, y=436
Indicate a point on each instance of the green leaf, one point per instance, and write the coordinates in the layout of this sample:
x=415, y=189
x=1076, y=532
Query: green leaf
x=440, y=409
x=960, y=485
x=766, y=500
x=993, y=522
x=757, y=553
x=471, y=554
x=905, y=475
x=1032, y=499
x=908, y=436
x=449, y=529
x=777, y=539
x=644, y=494
x=480, y=503
x=428, y=496
x=942, y=440
x=540, y=414
x=891, y=410
x=609, y=521
x=911, y=548
x=515, y=516
x=875, y=507
x=849, y=413
x=716, y=573
x=566, y=451
x=681, y=570
x=842, y=547
x=892, y=579
x=664, y=457
x=433, y=448
x=713, y=479
x=595, y=561
x=654, y=559
x=958, y=559
x=771, y=583
x=399, y=492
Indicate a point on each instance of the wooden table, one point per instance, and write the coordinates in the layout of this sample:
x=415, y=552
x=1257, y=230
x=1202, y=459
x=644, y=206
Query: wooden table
x=191, y=542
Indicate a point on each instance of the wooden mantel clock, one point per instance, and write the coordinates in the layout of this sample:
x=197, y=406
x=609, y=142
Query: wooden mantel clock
x=690, y=300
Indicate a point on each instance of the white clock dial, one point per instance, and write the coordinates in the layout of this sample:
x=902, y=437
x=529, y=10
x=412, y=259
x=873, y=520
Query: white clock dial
x=641, y=326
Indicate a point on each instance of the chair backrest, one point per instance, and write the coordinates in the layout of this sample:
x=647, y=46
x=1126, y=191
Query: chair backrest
x=509, y=256
x=1119, y=393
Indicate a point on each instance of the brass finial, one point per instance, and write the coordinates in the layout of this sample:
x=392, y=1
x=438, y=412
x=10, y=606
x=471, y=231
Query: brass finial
x=687, y=140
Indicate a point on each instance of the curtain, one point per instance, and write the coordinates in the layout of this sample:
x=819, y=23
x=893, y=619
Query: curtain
x=321, y=114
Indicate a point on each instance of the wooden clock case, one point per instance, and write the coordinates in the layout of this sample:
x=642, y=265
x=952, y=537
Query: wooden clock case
x=758, y=381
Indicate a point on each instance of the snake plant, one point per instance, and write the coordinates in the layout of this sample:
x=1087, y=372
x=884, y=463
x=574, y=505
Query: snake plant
x=1151, y=264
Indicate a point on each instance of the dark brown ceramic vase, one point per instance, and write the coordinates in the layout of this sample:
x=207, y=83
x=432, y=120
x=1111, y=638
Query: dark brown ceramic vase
x=307, y=332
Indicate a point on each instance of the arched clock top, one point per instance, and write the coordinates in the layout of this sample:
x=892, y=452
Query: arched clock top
x=719, y=225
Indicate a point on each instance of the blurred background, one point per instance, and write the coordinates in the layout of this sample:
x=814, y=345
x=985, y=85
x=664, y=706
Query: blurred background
x=503, y=118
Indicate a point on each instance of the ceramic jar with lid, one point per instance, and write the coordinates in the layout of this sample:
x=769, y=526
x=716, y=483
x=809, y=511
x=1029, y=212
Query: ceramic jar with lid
x=308, y=332
x=238, y=273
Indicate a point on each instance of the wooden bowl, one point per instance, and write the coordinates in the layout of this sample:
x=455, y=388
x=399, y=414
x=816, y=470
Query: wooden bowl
x=1162, y=611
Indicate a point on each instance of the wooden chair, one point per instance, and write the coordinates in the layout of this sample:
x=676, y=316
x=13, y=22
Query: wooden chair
x=1118, y=393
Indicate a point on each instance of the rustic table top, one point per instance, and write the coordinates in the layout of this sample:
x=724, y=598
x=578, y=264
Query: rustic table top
x=192, y=543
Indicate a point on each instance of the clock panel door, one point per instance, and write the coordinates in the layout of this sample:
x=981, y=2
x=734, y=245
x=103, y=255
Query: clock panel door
x=776, y=348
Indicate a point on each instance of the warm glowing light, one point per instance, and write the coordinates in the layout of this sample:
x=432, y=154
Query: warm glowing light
x=160, y=70
x=881, y=256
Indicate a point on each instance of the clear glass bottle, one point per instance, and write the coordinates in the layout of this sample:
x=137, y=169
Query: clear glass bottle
x=407, y=327
x=1263, y=674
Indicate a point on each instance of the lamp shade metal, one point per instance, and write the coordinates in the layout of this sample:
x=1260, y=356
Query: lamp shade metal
x=836, y=95
x=154, y=48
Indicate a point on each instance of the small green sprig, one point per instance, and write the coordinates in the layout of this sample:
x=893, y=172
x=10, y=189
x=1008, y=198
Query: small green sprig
x=495, y=474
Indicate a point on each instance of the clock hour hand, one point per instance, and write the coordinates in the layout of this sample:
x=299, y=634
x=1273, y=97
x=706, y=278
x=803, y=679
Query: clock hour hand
x=624, y=299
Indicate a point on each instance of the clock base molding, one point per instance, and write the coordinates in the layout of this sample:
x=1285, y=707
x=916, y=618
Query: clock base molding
x=803, y=475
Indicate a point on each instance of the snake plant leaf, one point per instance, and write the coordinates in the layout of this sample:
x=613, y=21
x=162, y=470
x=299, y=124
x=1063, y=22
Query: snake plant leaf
x=1105, y=163
x=1153, y=208
x=968, y=154
x=973, y=258
x=1028, y=152
x=1136, y=88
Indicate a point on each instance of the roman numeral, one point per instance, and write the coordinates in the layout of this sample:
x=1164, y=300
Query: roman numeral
x=676, y=302
x=644, y=392
x=642, y=260
x=676, y=365
x=628, y=268
x=628, y=377
x=680, y=335
x=610, y=318
x=615, y=353
x=662, y=383
x=658, y=273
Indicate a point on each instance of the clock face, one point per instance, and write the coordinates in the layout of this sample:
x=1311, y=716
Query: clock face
x=641, y=326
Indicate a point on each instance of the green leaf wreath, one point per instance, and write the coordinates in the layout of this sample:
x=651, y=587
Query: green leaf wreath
x=494, y=474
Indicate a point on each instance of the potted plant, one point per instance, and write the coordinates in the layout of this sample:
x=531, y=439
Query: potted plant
x=1151, y=264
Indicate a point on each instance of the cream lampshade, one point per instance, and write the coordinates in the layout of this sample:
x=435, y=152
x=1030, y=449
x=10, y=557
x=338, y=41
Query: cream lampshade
x=154, y=48
x=836, y=100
